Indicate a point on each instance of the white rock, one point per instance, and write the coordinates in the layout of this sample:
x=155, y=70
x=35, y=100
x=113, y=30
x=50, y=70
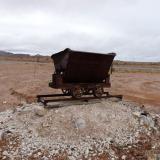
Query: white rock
x=39, y=153
x=56, y=111
x=4, y=134
x=1, y=135
x=4, y=102
x=114, y=99
x=147, y=121
x=80, y=123
x=86, y=152
x=5, y=153
x=137, y=114
x=152, y=156
x=39, y=110
x=71, y=158
x=44, y=158
x=124, y=157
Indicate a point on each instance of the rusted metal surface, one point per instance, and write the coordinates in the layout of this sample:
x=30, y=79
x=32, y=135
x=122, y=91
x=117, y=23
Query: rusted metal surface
x=45, y=99
x=82, y=67
x=78, y=73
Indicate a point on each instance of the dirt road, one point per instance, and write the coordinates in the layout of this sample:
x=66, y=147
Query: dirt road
x=21, y=81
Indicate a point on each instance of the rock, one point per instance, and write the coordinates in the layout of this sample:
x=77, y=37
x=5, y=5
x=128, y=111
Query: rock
x=86, y=152
x=56, y=111
x=5, y=153
x=153, y=156
x=147, y=121
x=145, y=113
x=24, y=104
x=158, y=156
x=39, y=153
x=1, y=135
x=71, y=157
x=44, y=158
x=136, y=114
x=124, y=157
x=39, y=110
x=114, y=99
x=79, y=123
x=4, y=134
x=4, y=102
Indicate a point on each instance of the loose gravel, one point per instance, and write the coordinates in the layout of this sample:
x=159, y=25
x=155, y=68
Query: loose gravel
x=75, y=131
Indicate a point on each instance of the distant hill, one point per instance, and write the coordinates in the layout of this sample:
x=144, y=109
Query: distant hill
x=8, y=56
x=4, y=53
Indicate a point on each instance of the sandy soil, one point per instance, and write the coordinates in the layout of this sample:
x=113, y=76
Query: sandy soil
x=143, y=88
x=21, y=81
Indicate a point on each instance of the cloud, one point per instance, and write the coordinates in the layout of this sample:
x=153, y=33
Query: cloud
x=130, y=28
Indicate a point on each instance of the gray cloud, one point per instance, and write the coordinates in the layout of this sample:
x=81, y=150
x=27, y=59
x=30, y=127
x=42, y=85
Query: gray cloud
x=129, y=27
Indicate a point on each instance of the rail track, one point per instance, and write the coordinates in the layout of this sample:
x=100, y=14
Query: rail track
x=48, y=98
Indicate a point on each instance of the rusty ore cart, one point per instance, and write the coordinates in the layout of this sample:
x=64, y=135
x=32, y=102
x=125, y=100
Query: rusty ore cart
x=80, y=73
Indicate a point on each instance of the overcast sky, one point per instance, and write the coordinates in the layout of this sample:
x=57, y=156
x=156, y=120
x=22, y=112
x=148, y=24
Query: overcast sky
x=131, y=28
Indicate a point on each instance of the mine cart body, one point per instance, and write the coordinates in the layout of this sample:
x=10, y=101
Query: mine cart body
x=84, y=71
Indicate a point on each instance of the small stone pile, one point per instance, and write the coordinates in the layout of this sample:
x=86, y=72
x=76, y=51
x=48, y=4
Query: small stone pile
x=108, y=129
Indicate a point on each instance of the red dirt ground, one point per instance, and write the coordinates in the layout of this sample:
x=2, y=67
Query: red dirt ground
x=21, y=81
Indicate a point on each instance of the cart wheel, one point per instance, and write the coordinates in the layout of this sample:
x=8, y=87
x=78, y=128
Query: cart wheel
x=66, y=91
x=98, y=92
x=77, y=93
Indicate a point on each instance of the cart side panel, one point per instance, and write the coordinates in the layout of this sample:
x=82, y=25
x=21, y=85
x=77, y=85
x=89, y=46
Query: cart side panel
x=60, y=61
x=87, y=67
